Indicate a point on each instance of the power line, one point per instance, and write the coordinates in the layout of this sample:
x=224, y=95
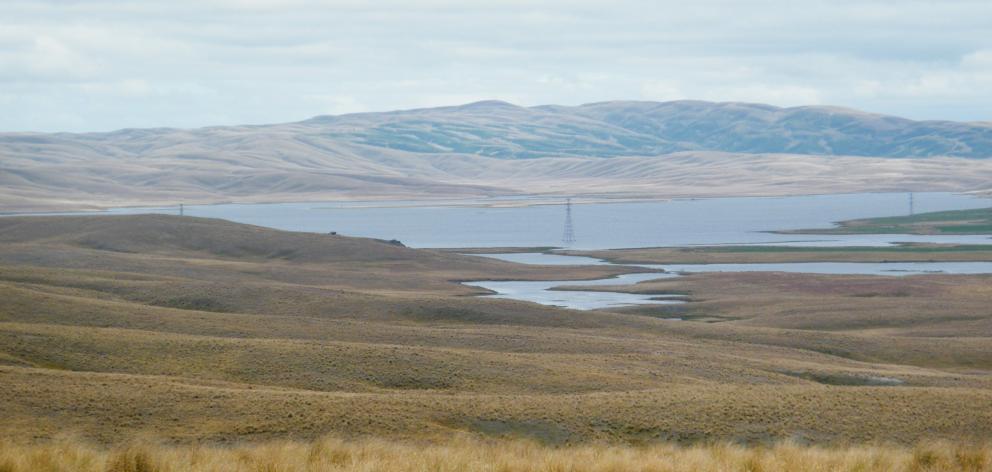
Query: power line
x=568, y=235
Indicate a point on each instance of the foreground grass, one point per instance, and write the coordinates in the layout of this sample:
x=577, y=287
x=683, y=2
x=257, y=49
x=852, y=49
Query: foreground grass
x=208, y=331
x=464, y=454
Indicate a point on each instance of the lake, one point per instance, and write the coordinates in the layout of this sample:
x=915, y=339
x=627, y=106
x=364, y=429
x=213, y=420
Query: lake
x=533, y=222
x=472, y=223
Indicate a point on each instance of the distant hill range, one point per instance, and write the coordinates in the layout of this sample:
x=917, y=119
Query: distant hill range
x=631, y=149
x=611, y=129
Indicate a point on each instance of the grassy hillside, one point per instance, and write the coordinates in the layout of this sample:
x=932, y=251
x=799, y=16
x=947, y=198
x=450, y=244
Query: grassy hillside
x=192, y=330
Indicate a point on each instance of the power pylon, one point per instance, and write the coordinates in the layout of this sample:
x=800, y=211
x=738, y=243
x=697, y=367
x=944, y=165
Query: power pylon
x=912, y=205
x=568, y=235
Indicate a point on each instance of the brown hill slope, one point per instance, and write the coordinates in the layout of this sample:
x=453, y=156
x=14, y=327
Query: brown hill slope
x=193, y=329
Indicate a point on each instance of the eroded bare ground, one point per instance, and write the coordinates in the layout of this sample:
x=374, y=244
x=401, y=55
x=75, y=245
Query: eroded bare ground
x=192, y=329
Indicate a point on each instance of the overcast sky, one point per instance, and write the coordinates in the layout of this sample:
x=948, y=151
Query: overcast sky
x=85, y=65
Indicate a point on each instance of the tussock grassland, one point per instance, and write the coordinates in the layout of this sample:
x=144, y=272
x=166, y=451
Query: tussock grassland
x=194, y=330
x=463, y=454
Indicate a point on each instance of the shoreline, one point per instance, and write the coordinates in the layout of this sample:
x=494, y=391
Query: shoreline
x=503, y=201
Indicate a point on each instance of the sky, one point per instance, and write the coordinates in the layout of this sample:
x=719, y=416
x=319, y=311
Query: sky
x=98, y=65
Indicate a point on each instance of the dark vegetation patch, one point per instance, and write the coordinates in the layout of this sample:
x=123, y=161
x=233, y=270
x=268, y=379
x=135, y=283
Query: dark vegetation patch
x=202, y=303
x=544, y=432
x=901, y=248
x=848, y=380
x=972, y=221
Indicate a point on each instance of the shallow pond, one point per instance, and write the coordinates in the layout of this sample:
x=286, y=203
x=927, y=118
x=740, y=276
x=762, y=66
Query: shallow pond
x=541, y=292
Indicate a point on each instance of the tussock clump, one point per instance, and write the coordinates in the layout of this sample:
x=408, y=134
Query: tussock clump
x=508, y=455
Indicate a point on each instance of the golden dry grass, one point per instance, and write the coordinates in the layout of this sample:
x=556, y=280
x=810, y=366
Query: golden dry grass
x=466, y=454
x=201, y=330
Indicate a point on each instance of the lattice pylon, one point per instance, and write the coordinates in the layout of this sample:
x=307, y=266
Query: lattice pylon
x=568, y=235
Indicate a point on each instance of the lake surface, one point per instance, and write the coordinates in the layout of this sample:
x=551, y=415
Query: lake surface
x=863, y=268
x=471, y=223
x=541, y=292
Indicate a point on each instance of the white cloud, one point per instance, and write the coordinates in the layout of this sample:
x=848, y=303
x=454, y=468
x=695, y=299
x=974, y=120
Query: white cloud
x=772, y=94
x=980, y=60
x=338, y=104
x=125, y=88
x=661, y=90
x=87, y=64
x=46, y=58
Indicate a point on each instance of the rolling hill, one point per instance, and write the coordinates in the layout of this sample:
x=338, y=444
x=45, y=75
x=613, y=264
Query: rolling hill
x=613, y=129
x=628, y=149
x=202, y=331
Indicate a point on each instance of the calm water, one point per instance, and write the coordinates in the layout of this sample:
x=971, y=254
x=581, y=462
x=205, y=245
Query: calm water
x=863, y=268
x=541, y=292
x=598, y=225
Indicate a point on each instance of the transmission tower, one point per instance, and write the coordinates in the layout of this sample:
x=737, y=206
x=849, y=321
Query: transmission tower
x=568, y=235
x=912, y=204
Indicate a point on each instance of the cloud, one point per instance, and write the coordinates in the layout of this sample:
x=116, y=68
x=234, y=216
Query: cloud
x=124, y=88
x=661, y=90
x=105, y=64
x=978, y=60
x=44, y=57
x=337, y=104
x=783, y=95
